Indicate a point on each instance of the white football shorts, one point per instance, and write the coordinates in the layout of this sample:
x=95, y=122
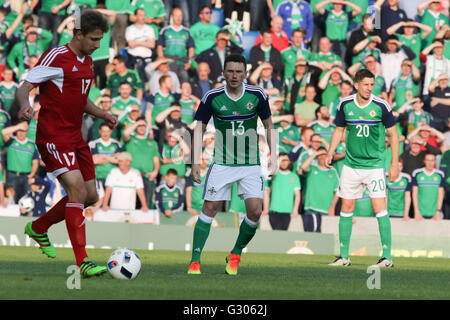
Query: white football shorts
x=220, y=179
x=353, y=182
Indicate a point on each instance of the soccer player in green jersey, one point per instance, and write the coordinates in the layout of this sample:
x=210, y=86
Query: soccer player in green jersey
x=235, y=108
x=365, y=118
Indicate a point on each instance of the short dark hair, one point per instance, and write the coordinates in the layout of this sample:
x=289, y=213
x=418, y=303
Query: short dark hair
x=172, y=171
x=120, y=59
x=363, y=73
x=265, y=31
x=234, y=57
x=124, y=82
x=91, y=20
x=392, y=37
x=203, y=8
x=103, y=124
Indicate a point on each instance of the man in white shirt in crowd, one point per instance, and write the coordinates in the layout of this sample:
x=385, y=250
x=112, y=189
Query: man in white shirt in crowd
x=141, y=40
x=122, y=185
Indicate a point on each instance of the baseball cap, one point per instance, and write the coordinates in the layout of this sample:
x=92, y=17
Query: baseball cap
x=124, y=156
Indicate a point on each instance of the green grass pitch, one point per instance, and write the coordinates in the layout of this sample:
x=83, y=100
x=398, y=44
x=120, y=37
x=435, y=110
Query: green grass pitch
x=27, y=274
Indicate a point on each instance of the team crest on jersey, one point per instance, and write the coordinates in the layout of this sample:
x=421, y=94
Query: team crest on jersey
x=402, y=183
x=250, y=106
x=372, y=113
x=212, y=191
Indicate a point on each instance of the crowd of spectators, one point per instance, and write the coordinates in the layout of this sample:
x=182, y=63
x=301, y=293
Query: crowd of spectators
x=159, y=57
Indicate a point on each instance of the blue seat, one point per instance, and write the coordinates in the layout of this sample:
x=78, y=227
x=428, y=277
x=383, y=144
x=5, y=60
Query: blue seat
x=217, y=17
x=248, y=42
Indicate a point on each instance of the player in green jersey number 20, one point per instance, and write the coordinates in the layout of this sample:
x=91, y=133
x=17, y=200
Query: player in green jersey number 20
x=365, y=118
x=235, y=109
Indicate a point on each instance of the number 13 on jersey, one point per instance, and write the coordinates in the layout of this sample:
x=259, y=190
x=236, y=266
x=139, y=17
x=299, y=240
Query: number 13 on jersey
x=85, y=86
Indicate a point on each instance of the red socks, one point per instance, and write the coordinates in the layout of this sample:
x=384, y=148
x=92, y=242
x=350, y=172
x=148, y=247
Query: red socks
x=56, y=214
x=75, y=222
x=76, y=227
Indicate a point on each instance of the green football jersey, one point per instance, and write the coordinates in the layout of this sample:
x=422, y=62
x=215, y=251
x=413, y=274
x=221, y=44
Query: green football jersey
x=433, y=21
x=5, y=121
x=187, y=110
x=108, y=148
x=236, y=122
x=396, y=194
x=159, y=103
x=121, y=7
x=282, y=195
x=114, y=80
x=119, y=104
x=325, y=131
x=413, y=42
x=428, y=186
x=405, y=89
x=327, y=181
x=169, y=152
x=289, y=56
x=31, y=132
x=20, y=154
x=8, y=93
x=337, y=24
x=291, y=132
x=204, y=36
x=143, y=150
x=176, y=42
x=379, y=86
x=365, y=137
x=169, y=198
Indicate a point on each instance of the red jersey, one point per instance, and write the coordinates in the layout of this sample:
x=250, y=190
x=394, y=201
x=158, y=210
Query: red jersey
x=64, y=81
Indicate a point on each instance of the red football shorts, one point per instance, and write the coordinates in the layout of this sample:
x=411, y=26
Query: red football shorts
x=62, y=158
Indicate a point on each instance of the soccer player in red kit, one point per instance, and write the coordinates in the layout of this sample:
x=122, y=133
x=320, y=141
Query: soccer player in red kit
x=64, y=76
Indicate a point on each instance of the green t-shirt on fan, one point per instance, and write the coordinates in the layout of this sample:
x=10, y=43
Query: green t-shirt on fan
x=327, y=181
x=143, y=150
x=282, y=191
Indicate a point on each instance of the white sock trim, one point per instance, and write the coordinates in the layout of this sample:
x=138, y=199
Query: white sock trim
x=346, y=214
x=250, y=222
x=381, y=214
x=205, y=218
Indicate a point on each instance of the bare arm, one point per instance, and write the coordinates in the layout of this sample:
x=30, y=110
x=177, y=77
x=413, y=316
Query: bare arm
x=394, y=140
x=141, y=196
x=415, y=192
x=335, y=140
x=297, y=198
x=272, y=139
x=407, y=205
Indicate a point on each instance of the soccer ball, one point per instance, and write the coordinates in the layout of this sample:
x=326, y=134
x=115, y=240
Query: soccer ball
x=124, y=264
x=26, y=203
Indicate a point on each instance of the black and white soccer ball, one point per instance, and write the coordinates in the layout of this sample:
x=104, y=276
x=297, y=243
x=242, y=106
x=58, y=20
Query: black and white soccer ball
x=26, y=203
x=124, y=264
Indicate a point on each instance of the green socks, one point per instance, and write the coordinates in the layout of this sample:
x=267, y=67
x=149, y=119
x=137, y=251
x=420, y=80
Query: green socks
x=201, y=233
x=246, y=232
x=345, y=232
x=384, y=226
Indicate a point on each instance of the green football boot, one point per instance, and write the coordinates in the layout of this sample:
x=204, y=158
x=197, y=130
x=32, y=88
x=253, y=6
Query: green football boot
x=89, y=269
x=43, y=241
